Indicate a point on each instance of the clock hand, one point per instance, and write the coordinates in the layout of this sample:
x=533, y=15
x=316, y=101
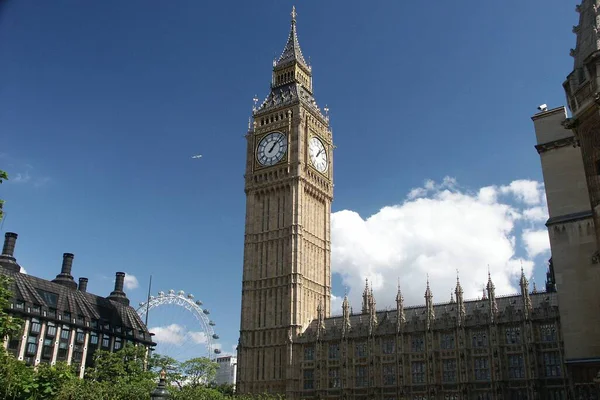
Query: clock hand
x=272, y=146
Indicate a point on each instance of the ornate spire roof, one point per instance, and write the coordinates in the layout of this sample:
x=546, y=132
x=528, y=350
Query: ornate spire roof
x=291, y=51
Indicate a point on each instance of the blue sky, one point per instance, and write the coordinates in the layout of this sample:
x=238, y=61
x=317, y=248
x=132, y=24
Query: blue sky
x=102, y=104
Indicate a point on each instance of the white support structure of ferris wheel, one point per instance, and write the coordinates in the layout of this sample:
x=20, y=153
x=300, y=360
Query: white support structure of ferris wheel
x=187, y=302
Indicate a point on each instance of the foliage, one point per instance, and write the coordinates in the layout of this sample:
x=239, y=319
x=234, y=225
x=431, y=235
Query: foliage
x=3, y=177
x=198, y=371
x=9, y=325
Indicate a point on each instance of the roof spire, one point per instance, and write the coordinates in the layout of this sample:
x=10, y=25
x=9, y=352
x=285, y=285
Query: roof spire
x=293, y=14
x=291, y=51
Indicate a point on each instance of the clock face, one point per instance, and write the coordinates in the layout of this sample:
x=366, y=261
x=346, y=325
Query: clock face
x=318, y=155
x=271, y=148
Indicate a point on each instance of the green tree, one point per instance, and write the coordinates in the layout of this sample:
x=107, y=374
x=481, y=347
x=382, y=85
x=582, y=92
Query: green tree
x=3, y=177
x=198, y=371
x=9, y=325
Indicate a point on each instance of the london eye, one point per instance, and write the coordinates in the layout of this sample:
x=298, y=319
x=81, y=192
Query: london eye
x=181, y=325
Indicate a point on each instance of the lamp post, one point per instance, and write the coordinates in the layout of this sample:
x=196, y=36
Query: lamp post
x=160, y=392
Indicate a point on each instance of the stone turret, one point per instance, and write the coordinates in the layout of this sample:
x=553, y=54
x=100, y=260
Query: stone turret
x=7, y=258
x=365, y=298
x=65, y=278
x=524, y=284
x=118, y=294
x=346, y=316
x=460, y=303
x=401, y=317
x=429, y=305
x=491, y=292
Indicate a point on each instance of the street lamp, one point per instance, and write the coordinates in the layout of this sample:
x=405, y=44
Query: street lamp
x=160, y=392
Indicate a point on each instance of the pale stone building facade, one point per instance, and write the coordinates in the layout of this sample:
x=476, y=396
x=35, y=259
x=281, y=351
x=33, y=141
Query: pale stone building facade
x=506, y=347
x=569, y=149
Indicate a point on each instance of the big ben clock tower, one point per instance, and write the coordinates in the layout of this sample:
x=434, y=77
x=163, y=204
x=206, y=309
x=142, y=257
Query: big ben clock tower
x=287, y=246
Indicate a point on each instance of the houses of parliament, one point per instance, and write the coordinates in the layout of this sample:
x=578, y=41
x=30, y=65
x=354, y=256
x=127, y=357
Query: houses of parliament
x=533, y=345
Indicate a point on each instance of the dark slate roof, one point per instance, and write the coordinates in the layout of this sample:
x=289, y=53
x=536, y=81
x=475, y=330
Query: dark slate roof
x=37, y=291
x=544, y=305
x=291, y=51
x=286, y=95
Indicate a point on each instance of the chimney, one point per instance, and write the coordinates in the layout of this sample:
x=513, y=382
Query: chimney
x=10, y=240
x=118, y=294
x=7, y=258
x=65, y=278
x=83, y=284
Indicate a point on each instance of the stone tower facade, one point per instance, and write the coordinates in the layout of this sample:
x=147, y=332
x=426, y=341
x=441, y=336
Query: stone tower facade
x=569, y=149
x=289, y=189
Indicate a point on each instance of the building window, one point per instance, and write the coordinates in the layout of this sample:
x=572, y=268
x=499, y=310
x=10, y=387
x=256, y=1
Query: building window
x=361, y=350
x=417, y=344
x=105, y=341
x=47, y=349
x=555, y=394
x=62, y=351
x=65, y=333
x=418, y=372
x=94, y=338
x=309, y=353
x=118, y=343
x=19, y=305
x=552, y=364
x=309, y=379
x=388, y=346
x=361, y=376
x=35, y=326
x=484, y=396
x=67, y=316
x=450, y=397
x=50, y=329
x=80, y=320
x=518, y=394
x=479, y=339
x=516, y=366
x=129, y=332
x=334, y=351
x=52, y=312
x=118, y=329
x=31, y=348
x=77, y=354
x=548, y=333
x=334, y=378
x=94, y=324
x=449, y=371
x=482, y=368
x=513, y=335
x=36, y=309
x=447, y=341
x=80, y=336
x=389, y=374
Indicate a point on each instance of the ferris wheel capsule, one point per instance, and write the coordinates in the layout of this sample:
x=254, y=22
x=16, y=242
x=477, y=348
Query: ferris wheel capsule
x=217, y=351
x=171, y=291
x=181, y=293
x=198, y=303
x=161, y=293
x=205, y=311
x=215, y=336
x=212, y=323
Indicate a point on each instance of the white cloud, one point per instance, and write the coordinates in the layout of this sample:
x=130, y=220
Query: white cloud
x=536, y=242
x=177, y=335
x=197, y=337
x=529, y=192
x=131, y=282
x=20, y=177
x=536, y=214
x=438, y=230
x=173, y=334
